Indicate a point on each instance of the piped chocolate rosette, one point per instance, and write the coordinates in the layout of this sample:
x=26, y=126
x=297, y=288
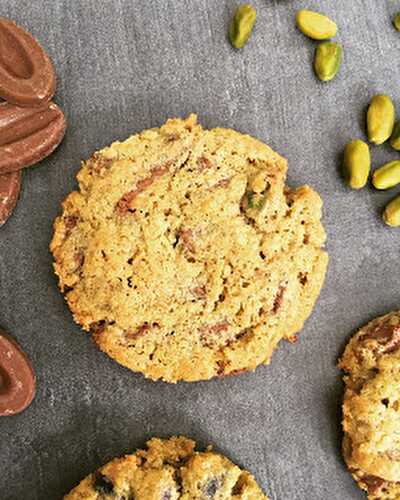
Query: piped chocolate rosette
x=31, y=125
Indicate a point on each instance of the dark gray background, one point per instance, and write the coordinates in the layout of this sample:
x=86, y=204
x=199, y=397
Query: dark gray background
x=126, y=65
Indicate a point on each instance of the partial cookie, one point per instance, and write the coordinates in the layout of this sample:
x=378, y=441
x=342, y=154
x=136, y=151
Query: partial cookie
x=169, y=470
x=185, y=254
x=10, y=186
x=371, y=408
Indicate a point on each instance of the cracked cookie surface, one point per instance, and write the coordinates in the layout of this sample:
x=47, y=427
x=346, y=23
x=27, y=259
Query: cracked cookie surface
x=371, y=407
x=169, y=470
x=185, y=254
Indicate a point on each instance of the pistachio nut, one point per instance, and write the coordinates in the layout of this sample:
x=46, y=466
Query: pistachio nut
x=242, y=25
x=380, y=119
x=315, y=25
x=327, y=60
x=396, y=21
x=357, y=164
x=395, y=138
x=256, y=201
x=391, y=214
x=387, y=176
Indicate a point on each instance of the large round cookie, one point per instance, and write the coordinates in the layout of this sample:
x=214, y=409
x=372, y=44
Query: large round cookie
x=184, y=253
x=371, y=408
x=169, y=470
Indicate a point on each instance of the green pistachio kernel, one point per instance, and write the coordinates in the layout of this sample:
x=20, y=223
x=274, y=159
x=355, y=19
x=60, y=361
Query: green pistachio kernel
x=242, y=25
x=256, y=200
x=327, y=60
x=396, y=21
x=357, y=164
x=391, y=214
x=387, y=176
x=395, y=138
x=380, y=119
x=315, y=25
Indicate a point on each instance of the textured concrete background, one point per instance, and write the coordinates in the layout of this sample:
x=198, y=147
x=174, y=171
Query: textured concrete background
x=125, y=65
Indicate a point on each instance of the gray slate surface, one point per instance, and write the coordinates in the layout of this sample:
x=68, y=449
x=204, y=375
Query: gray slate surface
x=125, y=65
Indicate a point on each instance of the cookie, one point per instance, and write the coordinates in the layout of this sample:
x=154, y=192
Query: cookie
x=185, y=254
x=169, y=470
x=371, y=408
x=10, y=187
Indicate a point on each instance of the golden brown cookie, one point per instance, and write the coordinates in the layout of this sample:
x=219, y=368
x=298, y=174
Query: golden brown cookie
x=371, y=408
x=185, y=254
x=169, y=470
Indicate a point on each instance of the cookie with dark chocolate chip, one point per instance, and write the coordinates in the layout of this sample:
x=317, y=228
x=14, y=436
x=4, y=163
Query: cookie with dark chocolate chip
x=169, y=470
x=185, y=255
x=371, y=407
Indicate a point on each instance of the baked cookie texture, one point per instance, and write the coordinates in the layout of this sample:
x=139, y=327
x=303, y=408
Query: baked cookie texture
x=169, y=470
x=371, y=408
x=185, y=254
